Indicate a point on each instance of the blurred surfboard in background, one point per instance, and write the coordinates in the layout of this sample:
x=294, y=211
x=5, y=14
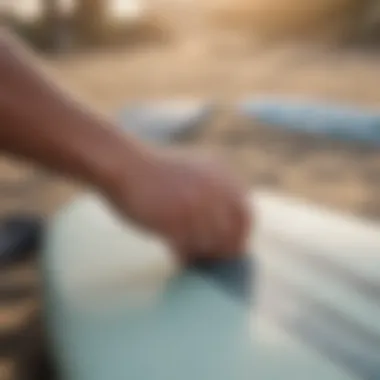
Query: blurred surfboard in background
x=338, y=121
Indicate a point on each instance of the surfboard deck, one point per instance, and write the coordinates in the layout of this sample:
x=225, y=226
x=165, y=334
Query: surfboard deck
x=313, y=309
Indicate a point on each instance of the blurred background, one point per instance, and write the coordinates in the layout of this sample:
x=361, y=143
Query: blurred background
x=113, y=52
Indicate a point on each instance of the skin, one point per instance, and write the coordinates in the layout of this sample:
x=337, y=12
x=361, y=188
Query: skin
x=196, y=205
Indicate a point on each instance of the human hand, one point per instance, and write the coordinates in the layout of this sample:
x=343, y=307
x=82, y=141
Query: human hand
x=194, y=203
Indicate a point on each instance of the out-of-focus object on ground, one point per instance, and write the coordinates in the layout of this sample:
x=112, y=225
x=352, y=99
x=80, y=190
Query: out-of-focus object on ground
x=20, y=235
x=23, y=200
x=170, y=120
x=22, y=188
x=337, y=121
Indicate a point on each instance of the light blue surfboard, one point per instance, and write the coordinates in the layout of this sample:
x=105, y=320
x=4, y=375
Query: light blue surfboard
x=302, y=304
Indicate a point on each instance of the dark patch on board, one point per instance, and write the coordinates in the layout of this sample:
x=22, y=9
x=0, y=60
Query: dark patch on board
x=235, y=276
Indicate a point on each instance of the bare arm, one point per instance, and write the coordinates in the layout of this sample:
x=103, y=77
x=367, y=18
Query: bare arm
x=196, y=206
x=40, y=122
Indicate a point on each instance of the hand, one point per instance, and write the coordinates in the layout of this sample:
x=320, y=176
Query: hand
x=193, y=203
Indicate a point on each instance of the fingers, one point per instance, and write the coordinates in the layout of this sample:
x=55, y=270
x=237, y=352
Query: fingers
x=228, y=226
x=218, y=225
x=228, y=215
x=197, y=208
x=184, y=222
x=240, y=227
x=195, y=238
x=217, y=222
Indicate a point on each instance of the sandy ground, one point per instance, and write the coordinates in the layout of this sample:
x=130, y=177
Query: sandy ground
x=341, y=176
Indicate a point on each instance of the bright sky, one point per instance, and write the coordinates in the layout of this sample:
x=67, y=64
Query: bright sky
x=118, y=8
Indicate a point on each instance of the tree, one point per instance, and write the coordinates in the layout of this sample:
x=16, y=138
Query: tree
x=90, y=20
x=52, y=24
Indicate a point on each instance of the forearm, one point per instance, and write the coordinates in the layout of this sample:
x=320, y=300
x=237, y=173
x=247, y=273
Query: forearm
x=39, y=121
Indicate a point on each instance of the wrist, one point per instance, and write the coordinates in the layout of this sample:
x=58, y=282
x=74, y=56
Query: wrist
x=117, y=158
